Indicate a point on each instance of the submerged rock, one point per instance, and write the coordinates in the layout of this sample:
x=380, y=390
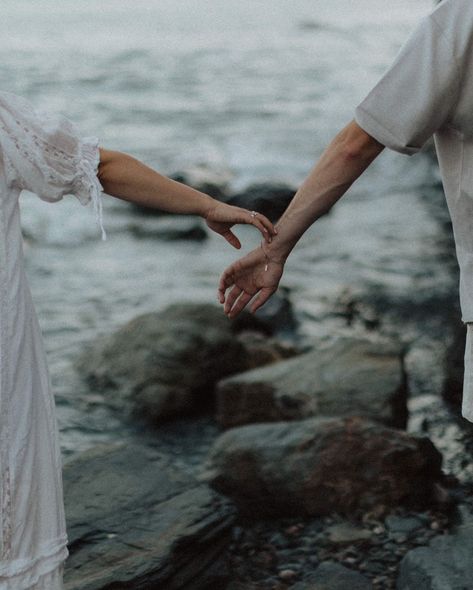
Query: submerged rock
x=341, y=377
x=271, y=199
x=170, y=228
x=135, y=521
x=320, y=465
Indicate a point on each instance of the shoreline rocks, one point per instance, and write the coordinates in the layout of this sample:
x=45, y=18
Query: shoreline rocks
x=320, y=465
x=338, y=377
x=135, y=521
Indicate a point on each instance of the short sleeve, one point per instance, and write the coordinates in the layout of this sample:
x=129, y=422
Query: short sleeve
x=417, y=94
x=44, y=153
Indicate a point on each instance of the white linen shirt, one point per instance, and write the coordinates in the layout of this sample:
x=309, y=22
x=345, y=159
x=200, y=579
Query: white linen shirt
x=428, y=91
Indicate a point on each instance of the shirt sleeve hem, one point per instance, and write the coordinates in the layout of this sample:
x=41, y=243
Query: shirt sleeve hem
x=381, y=134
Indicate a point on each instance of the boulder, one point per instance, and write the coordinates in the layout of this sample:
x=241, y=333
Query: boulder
x=135, y=521
x=270, y=199
x=339, y=377
x=320, y=465
x=165, y=364
x=445, y=564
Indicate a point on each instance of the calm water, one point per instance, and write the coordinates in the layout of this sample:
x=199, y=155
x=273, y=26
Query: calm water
x=256, y=88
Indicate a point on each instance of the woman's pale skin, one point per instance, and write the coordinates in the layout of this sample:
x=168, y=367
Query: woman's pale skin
x=255, y=277
x=125, y=177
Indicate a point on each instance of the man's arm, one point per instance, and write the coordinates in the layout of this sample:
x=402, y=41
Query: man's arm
x=347, y=156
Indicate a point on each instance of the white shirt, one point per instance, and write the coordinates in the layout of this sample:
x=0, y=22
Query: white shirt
x=428, y=91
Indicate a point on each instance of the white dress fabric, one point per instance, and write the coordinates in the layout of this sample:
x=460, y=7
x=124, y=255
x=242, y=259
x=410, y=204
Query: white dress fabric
x=428, y=91
x=44, y=154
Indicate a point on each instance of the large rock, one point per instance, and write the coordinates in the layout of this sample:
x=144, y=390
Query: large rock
x=341, y=377
x=135, y=521
x=271, y=199
x=164, y=364
x=445, y=564
x=319, y=465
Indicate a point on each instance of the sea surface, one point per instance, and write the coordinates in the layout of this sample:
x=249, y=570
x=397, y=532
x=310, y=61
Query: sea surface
x=253, y=88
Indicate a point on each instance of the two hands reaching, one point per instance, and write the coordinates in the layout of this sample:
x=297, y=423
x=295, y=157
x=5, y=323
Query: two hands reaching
x=256, y=275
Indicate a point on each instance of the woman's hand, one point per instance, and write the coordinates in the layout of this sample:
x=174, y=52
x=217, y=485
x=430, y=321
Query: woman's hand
x=221, y=217
x=254, y=275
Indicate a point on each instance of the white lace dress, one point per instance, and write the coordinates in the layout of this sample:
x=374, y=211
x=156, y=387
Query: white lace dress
x=43, y=154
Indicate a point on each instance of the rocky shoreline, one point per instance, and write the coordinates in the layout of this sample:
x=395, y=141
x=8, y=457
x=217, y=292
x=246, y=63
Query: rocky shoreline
x=261, y=457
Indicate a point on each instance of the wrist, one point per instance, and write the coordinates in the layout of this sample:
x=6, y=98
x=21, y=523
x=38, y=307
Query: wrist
x=272, y=254
x=207, y=206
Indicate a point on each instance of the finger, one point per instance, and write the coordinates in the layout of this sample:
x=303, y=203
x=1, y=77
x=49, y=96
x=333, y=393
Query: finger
x=267, y=224
x=261, y=299
x=232, y=239
x=231, y=298
x=240, y=304
x=226, y=281
x=264, y=231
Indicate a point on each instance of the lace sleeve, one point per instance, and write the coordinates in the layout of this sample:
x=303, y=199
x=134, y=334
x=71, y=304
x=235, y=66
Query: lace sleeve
x=45, y=154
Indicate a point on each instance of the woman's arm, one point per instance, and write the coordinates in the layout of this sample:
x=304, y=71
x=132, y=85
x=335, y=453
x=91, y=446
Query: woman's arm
x=125, y=177
x=347, y=156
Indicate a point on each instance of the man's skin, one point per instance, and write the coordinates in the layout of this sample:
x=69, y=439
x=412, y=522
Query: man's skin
x=125, y=177
x=256, y=276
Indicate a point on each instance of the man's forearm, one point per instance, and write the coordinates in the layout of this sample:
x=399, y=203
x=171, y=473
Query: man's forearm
x=343, y=161
x=127, y=178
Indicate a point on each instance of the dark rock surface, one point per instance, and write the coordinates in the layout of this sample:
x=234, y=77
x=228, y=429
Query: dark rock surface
x=338, y=377
x=135, y=521
x=320, y=465
x=333, y=576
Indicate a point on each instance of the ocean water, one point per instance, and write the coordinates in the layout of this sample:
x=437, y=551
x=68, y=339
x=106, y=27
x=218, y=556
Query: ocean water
x=256, y=88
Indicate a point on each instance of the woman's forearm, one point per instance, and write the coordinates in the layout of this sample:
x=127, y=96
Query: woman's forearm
x=343, y=161
x=125, y=177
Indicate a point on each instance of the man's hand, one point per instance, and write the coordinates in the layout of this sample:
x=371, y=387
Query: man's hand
x=220, y=217
x=255, y=275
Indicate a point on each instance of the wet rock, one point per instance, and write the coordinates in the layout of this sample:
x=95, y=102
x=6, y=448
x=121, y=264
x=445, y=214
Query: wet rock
x=271, y=199
x=333, y=576
x=212, y=181
x=263, y=350
x=445, y=564
x=135, y=521
x=276, y=315
x=170, y=228
x=399, y=524
x=343, y=376
x=319, y=465
x=164, y=364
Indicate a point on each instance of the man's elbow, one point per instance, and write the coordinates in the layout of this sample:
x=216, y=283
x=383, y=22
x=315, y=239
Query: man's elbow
x=356, y=144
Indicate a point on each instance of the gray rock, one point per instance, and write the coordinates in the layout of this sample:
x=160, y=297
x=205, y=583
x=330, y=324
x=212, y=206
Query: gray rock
x=320, y=465
x=135, y=521
x=445, y=564
x=169, y=228
x=399, y=524
x=164, y=364
x=347, y=533
x=349, y=375
x=333, y=576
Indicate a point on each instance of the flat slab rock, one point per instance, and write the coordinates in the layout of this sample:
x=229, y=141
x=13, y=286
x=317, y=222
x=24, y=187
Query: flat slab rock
x=347, y=375
x=135, y=521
